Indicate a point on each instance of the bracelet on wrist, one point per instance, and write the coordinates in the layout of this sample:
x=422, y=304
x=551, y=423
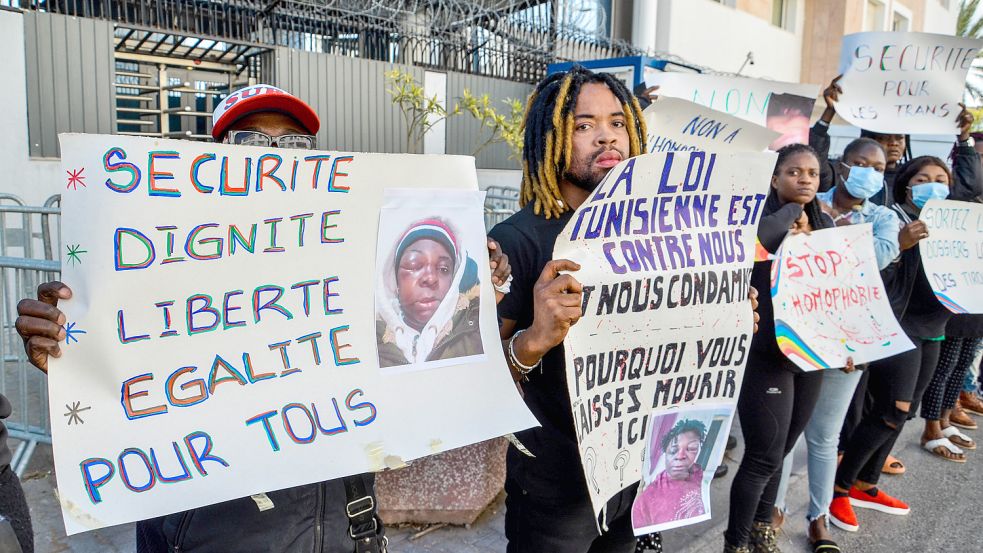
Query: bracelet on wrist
x=519, y=366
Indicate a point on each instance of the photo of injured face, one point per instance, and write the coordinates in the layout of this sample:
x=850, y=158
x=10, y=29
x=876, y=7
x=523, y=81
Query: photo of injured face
x=684, y=447
x=428, y=293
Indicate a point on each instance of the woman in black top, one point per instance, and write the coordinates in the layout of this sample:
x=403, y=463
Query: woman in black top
x=777, y=398
x=897, y=383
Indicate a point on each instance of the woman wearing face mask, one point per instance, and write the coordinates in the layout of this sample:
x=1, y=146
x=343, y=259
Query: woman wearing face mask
x=967, y=175
x=897, y=383
x=777, y=398
x=859, y=178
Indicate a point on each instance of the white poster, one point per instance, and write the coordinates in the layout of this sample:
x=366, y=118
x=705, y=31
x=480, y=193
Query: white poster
x=666, y=245
x=904, y=83
x=952, y=255
x=830, y=302
x=782, y=107
x=683, y=449
x=223, y=338
x=680, y=125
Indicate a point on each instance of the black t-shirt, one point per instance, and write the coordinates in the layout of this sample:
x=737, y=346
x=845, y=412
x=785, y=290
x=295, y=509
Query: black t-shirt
x=555, y=472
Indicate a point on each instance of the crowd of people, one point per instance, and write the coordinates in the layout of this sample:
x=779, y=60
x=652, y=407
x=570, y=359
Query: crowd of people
x=578, y=125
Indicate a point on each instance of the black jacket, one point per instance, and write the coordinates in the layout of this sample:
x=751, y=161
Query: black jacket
x=304, y=519
x=967, y=175
x=912, y=298
x=772, y=230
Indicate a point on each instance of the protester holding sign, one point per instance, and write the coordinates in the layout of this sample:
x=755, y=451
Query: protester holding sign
x=777, y=398
x=897, y=383
x=847, y=203
x=331, y=516
x=598, y=124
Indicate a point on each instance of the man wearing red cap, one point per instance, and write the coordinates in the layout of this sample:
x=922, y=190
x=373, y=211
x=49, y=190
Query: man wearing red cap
x=335, y=516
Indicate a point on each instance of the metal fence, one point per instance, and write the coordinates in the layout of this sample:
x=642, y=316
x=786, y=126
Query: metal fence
x=508, y=39
x=28, y=249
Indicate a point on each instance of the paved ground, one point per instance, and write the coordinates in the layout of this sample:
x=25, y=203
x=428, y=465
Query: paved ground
x=947, y=515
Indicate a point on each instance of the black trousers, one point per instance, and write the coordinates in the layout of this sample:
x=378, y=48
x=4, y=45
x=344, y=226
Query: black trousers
x=955, y=357
x=537, y=525
x=860, y=404
x=13, y=506
x=774, y=407
x=903, y=377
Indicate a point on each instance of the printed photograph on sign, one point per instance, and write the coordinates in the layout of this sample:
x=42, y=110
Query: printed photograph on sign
x=683, y=450
x=789, y=115
x=428, y=289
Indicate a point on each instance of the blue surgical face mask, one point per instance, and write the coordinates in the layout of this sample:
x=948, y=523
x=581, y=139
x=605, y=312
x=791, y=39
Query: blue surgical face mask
x=863, y=182
x=921, y=193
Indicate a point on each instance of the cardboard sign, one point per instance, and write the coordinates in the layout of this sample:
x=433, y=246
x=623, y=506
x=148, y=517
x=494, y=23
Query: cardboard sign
x=780, y=106
x=904, y=83
x=952, y=255
x=666, y=245
x=223, y=337
x=680, y=125
x=830, y=302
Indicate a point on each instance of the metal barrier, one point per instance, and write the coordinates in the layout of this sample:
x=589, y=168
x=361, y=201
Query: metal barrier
x=25, y=235
x=500, y=203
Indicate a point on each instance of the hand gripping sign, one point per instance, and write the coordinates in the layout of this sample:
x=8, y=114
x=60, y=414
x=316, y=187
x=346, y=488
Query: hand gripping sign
x=224, y=335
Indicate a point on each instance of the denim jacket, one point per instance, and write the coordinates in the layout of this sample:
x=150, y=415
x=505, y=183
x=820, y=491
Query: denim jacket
x=886, y=228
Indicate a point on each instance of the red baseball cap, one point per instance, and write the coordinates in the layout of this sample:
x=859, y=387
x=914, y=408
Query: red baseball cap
x=257, y=98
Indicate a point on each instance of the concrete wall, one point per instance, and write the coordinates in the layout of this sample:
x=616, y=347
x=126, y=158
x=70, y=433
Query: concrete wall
x=719, y=37
x=33, y=180
x=939, y=19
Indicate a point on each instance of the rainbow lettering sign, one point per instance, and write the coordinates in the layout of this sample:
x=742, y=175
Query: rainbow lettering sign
x=222, y=333
x=830, y=302
x=952, y=255
x=904, y=83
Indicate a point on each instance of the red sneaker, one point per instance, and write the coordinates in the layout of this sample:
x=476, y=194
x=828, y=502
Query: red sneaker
x=880, y=502
x=842, y=516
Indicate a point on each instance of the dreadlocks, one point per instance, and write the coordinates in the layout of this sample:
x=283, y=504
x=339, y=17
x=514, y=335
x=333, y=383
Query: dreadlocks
x=548, y=131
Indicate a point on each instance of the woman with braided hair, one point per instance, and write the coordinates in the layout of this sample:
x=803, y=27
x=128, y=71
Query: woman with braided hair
x=777, y=399
x=578, y=125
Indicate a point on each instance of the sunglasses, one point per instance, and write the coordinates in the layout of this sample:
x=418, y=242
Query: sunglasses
x=256, y=138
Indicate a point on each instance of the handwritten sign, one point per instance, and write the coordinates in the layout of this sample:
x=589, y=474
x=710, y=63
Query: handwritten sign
x=222, y=335
x=830, y=302
x=780, y=106
x=904, y=83
x=666, y=245
x=680, y=125
x=952, y=255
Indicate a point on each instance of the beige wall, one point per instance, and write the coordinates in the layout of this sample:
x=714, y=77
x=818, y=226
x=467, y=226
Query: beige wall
x=758, y=8
x=828, y=20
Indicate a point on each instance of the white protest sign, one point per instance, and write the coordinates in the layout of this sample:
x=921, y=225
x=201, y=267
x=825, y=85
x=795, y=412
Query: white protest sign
x=779, y=106
x=222, y=333
x=952, y=255
x=665, y=245
x=904, y=83
x=680, y=125
x=830, y=302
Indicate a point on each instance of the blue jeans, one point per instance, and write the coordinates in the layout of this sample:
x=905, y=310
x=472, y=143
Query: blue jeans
x=822, y=435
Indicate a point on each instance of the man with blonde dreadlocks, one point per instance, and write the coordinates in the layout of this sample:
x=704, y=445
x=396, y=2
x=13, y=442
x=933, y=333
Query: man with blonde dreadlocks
x=578, y=125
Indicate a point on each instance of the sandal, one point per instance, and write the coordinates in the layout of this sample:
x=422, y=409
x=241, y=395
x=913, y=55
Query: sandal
x=932, y=446
x=825, y=546
x=961, y=440
x=893, y=465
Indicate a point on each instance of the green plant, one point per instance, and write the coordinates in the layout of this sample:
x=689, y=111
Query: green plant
x=969, y=25
x=420, y=112
x=504, y=127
